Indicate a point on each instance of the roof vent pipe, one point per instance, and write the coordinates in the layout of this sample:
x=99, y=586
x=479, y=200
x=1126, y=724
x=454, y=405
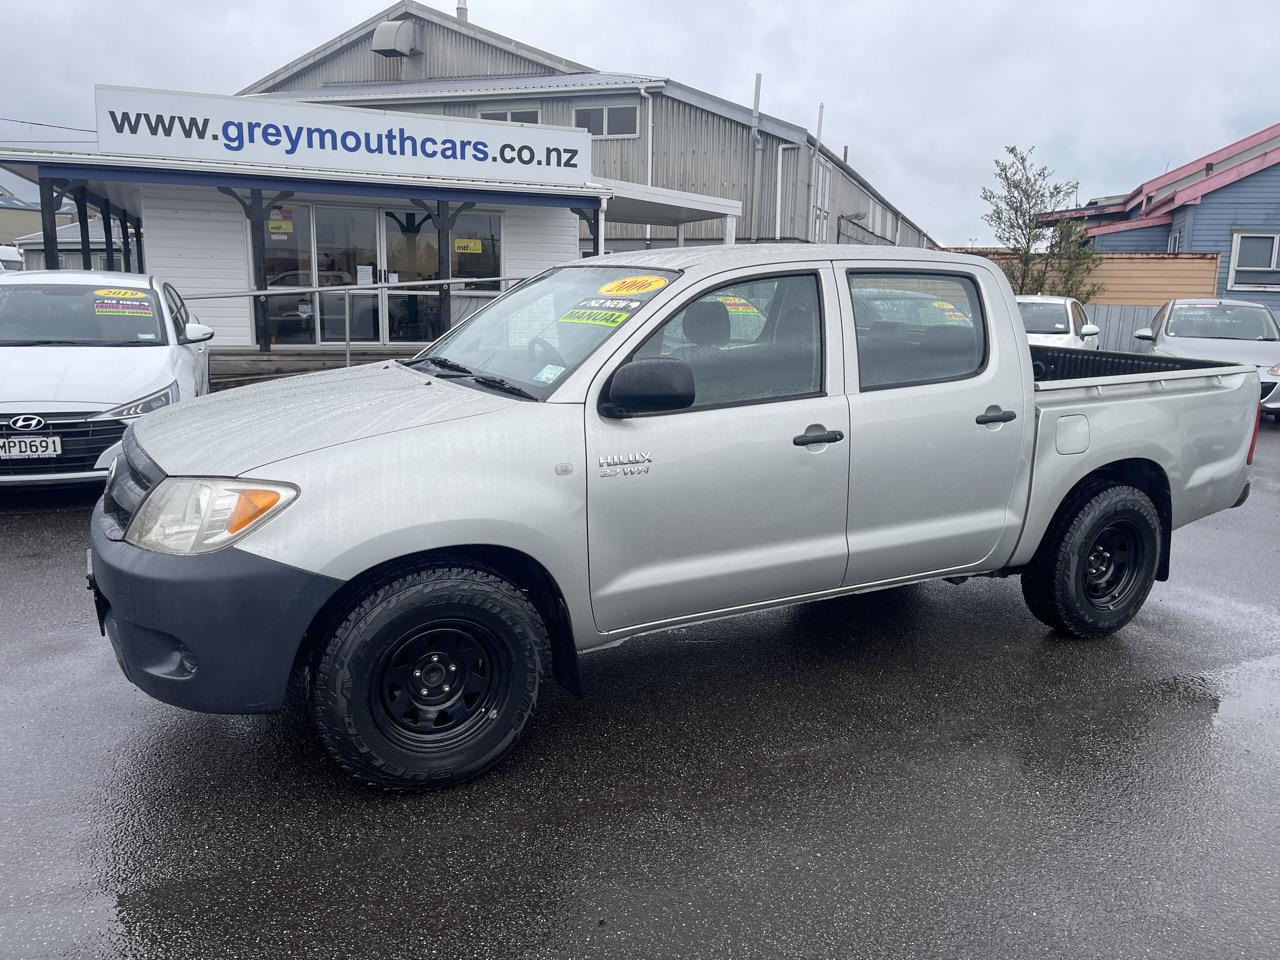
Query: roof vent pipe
x=462, y=10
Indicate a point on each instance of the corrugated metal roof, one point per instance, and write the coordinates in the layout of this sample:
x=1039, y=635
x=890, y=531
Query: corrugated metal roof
x=69, y=236
x=17, y=203
x=466, y=86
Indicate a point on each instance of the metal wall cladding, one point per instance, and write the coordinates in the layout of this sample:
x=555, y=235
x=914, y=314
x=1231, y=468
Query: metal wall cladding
x=448, y=54
x=1118, y=323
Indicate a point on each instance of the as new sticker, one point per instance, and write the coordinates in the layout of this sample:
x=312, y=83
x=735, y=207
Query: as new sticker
x=625, y=286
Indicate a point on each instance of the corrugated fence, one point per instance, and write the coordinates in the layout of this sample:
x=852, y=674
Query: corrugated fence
x=1118, y=322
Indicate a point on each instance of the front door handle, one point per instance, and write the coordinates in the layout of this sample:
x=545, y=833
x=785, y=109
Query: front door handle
x=805, y=439
x=995, y=415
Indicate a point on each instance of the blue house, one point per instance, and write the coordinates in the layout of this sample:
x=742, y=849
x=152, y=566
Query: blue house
x=1227, y=202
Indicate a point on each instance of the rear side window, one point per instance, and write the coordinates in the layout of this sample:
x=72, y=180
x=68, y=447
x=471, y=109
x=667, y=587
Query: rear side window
x=916, y=328
x=749, y=342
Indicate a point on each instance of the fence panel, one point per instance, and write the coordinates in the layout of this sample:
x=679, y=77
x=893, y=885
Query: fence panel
x=1118, y=322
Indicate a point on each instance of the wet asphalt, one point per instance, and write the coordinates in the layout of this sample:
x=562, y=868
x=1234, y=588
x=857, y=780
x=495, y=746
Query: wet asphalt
x=920, y=773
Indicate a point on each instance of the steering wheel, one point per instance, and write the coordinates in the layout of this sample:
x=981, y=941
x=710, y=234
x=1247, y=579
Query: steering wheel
x=537, y=343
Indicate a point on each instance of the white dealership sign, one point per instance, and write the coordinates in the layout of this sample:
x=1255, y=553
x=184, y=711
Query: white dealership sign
x=194, y=126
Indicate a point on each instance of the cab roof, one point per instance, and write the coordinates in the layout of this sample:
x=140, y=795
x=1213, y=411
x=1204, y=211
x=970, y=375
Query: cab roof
x=714, y=258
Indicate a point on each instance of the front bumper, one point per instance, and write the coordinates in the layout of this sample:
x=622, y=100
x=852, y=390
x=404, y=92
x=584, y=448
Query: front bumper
x=216, y=632
x=1271, y=398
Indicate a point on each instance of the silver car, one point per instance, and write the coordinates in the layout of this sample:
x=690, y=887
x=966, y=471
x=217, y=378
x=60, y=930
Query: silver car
x=628, y=443
x=1235, y=331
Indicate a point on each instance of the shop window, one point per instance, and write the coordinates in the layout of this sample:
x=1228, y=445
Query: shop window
x=477, y=248
x=512, y=116
x=608, y=121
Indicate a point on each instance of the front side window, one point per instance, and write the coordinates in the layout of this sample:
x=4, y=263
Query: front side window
x=748, y=342
x=541, y=331
x=1221, y=321
x=1044, y=318
x=917, y=328
x=608, y=121
x=74, y=314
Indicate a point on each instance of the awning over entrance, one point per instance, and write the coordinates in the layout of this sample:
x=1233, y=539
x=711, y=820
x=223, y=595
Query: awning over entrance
x=113, y=183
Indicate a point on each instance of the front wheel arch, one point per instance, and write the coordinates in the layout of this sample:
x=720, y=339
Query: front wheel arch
x=514, y=565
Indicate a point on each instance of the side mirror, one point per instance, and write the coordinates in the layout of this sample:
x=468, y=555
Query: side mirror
x=1144, y=334
x=1090, y=330
x=651, y=385
x=197, y=333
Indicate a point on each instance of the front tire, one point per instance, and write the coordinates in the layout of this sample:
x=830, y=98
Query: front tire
x=431, y=679
x=1095, y=567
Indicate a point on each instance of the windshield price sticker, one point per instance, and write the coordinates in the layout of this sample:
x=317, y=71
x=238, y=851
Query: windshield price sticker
x=633, y=285
x=121, y=308
x=549, y=373
x=118, y=294
x=602, y=311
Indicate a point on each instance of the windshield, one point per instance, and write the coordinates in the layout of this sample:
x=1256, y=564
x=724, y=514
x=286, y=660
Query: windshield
x=1221, y=321
x=99, y=315
x=542, y=330
x=1040, y=317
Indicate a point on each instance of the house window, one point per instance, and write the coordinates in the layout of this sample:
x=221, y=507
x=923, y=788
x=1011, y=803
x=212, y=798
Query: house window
x=821, y=202
x=608, y=121
x=512, y=116
x=1255, y=262
x=1175, y=242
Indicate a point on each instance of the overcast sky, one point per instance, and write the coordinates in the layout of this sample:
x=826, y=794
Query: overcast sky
x=925, y=94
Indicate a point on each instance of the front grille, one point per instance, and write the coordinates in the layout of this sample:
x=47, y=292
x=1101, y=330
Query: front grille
x=1266, y=389
x=134, y=477
x=83, y=441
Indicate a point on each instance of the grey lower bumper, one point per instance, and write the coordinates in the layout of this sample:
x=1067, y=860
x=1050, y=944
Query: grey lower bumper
x=216, y=633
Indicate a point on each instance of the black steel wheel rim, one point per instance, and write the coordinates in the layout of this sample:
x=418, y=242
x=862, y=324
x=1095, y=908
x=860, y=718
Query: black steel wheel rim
x=1113, y=565
x=439, y=683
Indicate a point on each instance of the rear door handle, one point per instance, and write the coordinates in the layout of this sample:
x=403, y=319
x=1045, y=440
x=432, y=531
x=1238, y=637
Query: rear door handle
x=805, y=439
x=995, y=415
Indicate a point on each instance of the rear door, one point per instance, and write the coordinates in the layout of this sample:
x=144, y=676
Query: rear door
x=940, y=419
x=727, y=503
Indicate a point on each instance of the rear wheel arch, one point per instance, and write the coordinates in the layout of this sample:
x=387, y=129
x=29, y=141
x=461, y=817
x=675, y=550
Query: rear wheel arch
x=1146, y=475
x=524, y=571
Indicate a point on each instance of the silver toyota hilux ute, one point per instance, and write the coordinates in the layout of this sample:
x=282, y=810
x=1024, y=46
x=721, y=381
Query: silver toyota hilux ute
x=630, y=442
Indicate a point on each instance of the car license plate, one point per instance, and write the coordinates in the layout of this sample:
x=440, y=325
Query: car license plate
x=28, y=448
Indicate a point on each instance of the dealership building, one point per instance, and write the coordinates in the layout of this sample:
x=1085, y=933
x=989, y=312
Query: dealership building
x=416, y=148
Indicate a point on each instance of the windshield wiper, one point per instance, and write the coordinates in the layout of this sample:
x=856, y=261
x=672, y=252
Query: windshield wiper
x=497, y=383
x=444, y=363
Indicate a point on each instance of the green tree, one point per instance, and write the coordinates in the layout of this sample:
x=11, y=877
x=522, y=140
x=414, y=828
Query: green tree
x=1043, y=258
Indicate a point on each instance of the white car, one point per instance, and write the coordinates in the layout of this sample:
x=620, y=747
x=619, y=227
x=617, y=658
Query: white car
x=1057, y=322
x=82, y=354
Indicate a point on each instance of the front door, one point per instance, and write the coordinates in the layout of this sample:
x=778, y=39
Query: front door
x=347, y=253
x=727, y=503
x=940, y=423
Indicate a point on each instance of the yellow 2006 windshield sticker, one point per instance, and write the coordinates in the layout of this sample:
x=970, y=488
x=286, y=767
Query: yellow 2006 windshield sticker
x=630, y=286
x=121, y=294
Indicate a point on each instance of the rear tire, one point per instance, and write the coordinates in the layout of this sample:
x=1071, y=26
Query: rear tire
x=431, y=679
x=1096, y=564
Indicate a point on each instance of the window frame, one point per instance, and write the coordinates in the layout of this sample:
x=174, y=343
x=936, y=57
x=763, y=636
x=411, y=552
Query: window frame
x=680, y=306
x=918, y=272
x=1235, y=282
x=606, y=107
x=507, y=111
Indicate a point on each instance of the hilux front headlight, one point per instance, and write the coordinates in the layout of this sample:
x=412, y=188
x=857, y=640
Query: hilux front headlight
x=1274, y=371
x=186, y=515
x=136, y=408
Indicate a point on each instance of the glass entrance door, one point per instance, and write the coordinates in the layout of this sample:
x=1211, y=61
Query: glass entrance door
x=347, y=253
x=413, y=315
